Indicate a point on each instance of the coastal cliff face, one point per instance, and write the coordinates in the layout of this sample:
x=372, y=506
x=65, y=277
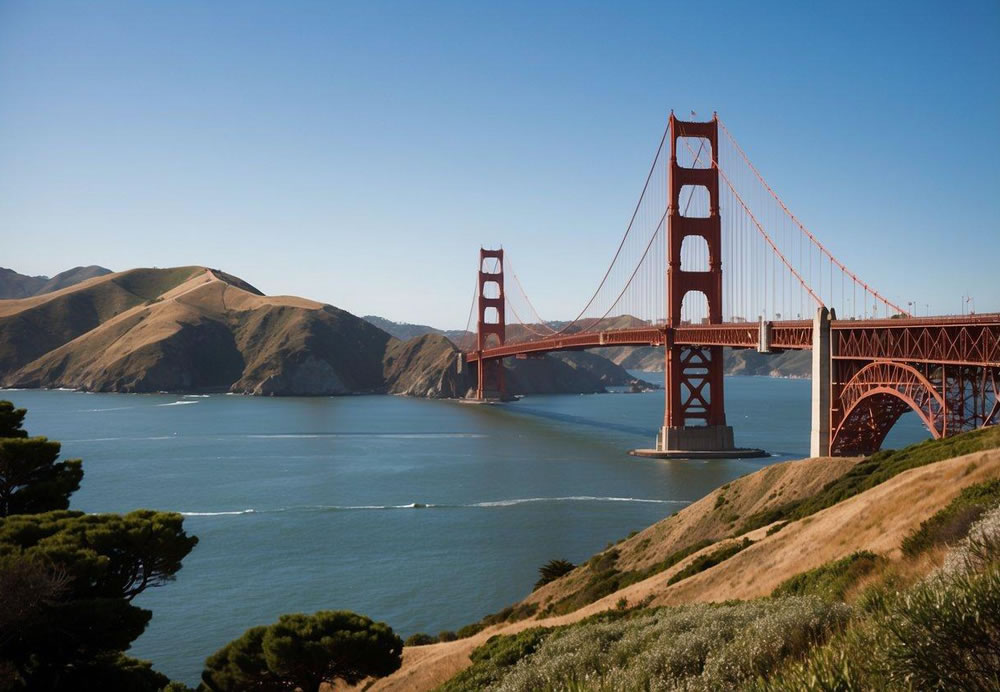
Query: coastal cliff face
x=426, y=366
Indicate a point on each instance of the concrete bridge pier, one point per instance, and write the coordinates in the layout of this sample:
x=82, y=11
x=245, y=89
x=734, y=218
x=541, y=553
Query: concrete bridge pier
x=822, y=382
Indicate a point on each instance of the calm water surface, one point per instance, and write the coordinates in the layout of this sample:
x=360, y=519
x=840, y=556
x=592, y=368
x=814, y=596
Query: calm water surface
x=304, y=504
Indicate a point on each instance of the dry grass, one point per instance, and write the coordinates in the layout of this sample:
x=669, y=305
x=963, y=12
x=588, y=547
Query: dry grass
x=189, y=328
x=876, y=520
x=711, y=518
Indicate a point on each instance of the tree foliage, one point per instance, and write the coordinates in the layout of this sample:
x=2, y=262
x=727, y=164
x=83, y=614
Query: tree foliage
x=107, y=555
x=67, y=578
x=31, y=480
x=552, y=570
x=11, y=420
x=304, y=651
x=86, y=568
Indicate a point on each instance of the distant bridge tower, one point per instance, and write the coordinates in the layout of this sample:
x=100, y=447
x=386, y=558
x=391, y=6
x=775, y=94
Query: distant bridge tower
x=492, y=321
x=695, y=413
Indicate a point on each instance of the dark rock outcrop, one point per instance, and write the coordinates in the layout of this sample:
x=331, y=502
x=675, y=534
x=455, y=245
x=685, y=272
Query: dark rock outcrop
x=427, y=366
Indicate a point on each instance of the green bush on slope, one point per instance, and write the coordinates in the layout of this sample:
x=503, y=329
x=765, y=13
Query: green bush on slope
x=709, y=560
x=492, y=660
x=943, y=633
x=701, y=646
x=953, y=522
x=832, y=580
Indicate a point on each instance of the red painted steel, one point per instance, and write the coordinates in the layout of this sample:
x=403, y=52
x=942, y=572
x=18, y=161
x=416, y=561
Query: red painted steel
x=789, y=335
x=490, y=373
x=956, y=340
x=956, y=360
x=875, y=397
x=690, y=370
x=946, y=369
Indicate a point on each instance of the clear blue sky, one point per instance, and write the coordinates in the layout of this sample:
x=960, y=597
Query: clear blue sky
x=360, y=153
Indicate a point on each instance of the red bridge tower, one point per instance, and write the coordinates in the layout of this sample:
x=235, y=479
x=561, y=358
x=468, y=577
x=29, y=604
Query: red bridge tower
x=490, y=384
x=695, y=413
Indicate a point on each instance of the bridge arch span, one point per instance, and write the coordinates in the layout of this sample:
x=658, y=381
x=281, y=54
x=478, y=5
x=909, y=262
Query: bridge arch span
x=873, y=401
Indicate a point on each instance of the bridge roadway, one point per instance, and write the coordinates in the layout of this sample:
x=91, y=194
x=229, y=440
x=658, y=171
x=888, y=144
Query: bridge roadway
x=972, y=340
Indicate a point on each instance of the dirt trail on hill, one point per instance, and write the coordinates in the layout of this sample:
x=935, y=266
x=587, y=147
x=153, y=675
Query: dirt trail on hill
x=875, y=520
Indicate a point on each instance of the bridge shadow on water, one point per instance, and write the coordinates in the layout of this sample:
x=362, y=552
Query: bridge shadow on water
x=520, y=408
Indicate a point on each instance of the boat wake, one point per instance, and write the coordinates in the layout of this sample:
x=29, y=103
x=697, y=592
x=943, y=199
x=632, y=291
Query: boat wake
x=492, y=504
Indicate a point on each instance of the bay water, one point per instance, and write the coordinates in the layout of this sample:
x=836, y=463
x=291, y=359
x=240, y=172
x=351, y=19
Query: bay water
x=424, y=514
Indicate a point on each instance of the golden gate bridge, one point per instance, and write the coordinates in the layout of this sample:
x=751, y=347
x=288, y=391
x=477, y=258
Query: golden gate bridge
x=713, y=258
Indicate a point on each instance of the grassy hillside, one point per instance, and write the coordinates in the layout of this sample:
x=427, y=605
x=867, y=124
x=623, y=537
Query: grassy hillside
x=186, y=328
x=860, y=622
x=845, y=545
x=31, y=327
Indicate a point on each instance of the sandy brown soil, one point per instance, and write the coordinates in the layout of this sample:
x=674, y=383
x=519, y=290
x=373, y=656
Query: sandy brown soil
x=875, y=520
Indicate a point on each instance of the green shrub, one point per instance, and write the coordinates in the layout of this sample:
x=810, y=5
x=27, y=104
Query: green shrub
x=603, y=562
x=303, y=652
x=943, y=633
x=447, y=636
x=952, y=523
x=469, y=630
x=514, y=613
x=977, y=550
x=850, y=661
x=832, y=580
x=708, y=560
x=699, y=646
x=491, y=661
x=776, y=528
x=420, y=639
x=946, y=635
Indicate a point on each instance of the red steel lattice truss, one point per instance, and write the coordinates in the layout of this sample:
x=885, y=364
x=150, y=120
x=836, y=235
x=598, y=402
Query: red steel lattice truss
x=946, y=369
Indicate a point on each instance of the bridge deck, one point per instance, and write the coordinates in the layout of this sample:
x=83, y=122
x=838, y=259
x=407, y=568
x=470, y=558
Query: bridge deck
x=959, y=339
